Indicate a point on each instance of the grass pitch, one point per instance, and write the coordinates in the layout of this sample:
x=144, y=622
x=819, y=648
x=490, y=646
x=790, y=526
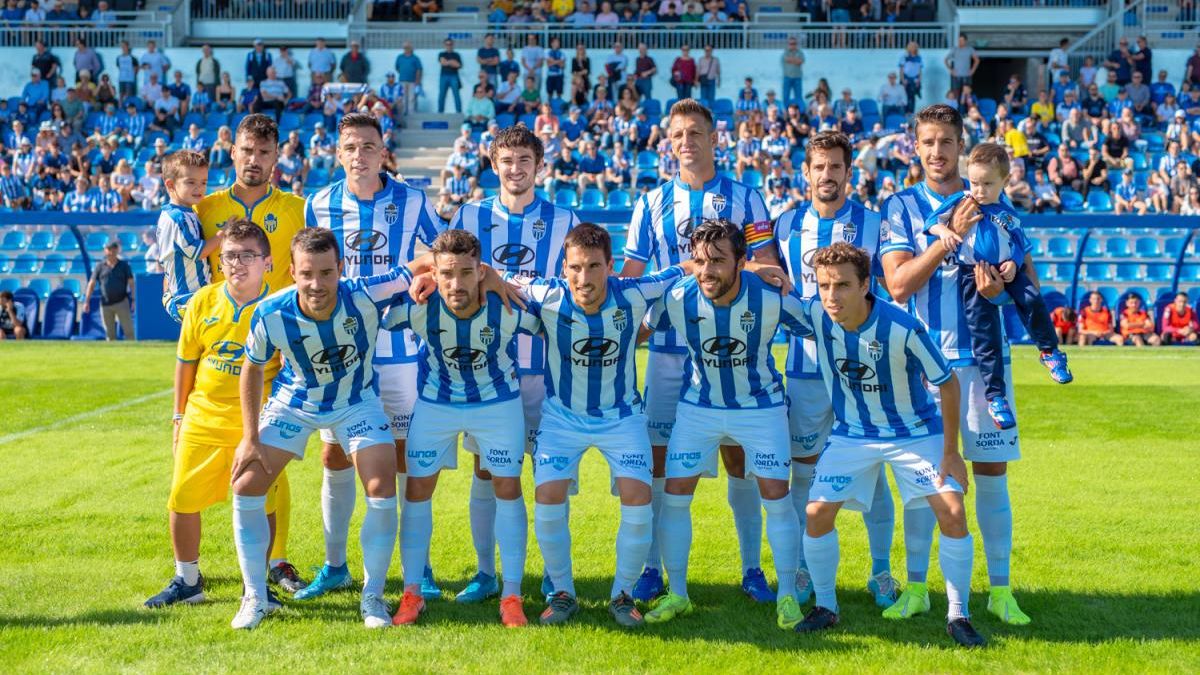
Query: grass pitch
x=1106, y=548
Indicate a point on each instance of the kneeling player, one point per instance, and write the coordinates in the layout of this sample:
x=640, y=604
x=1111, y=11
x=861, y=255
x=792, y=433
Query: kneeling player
x=208, y=424
x=467, y=384
x=325, y=328
x=873, y=356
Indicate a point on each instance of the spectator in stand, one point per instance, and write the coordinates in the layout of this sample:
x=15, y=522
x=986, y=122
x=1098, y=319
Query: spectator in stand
x=1179, y=322
x=645, y=69
x=508, y=95
x=12, y=318
x=113, y=277
x=531, y=97
x=1136, y=324
x=285, y=69
x=618, y=168
x=565, y=172
x=460, y=185
x=533, y=57
x=356, y=67
x=257, y=61
x=480, y=109
x=156, y=61
x=683, y=73
x=422, y=7
x=1043, y=110
x=226, y=100
x=85, y=58
x=248, y=100
x=1110, y=88
x=133, y=127
x=1095, y=173
x=1064, y=171
x=208, y=72
x=893, y=99
x=591, y=169
x=1094, y=105
x=1078, y=132
x=194, y=141
x=181, y=92
x=1045, y=195
x=1057, y=63
x=1158, y=195
x=911, y=66
x=274, y=93
x=1015, y=95
x=488, y=58
x=108, y=200
x=409, y=72
x=321, y=60
x=1138, y=93
x=451, y=62
x=582, y=17
x=962, y=62
x=36, y=93
x=1096, y=322
x=322, y=148
x=1121, y=62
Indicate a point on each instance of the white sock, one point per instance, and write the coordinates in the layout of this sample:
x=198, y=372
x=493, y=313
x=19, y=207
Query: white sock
x=512, y=533
x=880, y=522
x=378, y=540
x=633, y=538
x=802, y=475
x=957, y=557
x=918, y=541
x=747, y=520
x=993, y=511
x=675, y=535
x=252, y=535
x=653, y=555
x=822, y=554
x=415, y=532
x=483, y=524
x=783, y=534
x=190, y=571
x=554, y=540
x=337, y=506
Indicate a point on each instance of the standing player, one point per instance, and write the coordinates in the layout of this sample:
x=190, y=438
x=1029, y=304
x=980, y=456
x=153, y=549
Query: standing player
x=875, y=361
x=468, y=384
x=377, y=221
x=523, y=234
x=660, y=232
x=828, y=218
x=727, y=318
x=280, y=215
x=207, y=414
x=920, y=269
x=325, y=328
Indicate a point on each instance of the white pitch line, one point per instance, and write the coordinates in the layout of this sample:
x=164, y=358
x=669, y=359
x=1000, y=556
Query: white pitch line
x=83, y=416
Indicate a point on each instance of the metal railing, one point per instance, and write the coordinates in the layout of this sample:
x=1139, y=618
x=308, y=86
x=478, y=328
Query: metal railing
x=1166, y=24
x=1028, y=4
x=135, y=27
x=268, y=10
x=1100, y=41
x=739, y=36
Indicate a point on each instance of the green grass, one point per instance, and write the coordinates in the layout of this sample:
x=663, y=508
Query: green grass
x=1105, y=559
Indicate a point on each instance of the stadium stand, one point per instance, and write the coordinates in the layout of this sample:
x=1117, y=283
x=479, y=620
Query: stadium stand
x=80, y=151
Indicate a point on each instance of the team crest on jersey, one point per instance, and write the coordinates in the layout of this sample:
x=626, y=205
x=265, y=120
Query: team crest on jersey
x=1004, y=220
x=748, y=320
x=718, y=203
x=350, y=325
x=391, y=214
x=848, y=231
x=538, y=229
x=875, y=349
x=620, y=319
x=885, y=234
x=271, y=223
x=487, y=335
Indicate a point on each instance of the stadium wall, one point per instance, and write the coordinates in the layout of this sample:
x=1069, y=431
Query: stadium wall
x=870, y=68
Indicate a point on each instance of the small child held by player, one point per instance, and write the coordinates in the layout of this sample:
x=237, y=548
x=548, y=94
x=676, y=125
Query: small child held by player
x=184, y=250
x=997, y=239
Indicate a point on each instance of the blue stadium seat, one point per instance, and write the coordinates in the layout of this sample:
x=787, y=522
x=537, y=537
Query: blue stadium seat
x=1154, y=141
x=490, y=192
x=41, y=240
x=130, y=241
x=619, y=199
x=1097, y=272
x=566, y=198
x=1044, y=270
x=542, y=194
x=1099, y=202
x=41, y=286
x=66, y=242
x=216, y=178
x=1064, y=272
x=59, y=322
x=1161, y=273
x=987, y=108
x=5, y=263
x=74, y=285
x=868, y=106
x=317, y=178
x=1118, y=247
x=77, y=265
x=26, y=263
x=289, y=121
x=592, y=199
x=1190, y=274
x=1038, y=248
x=1061, y=247
x=14, y=240
x=95, y=242
x=653, y=107
x=1128, y=272
x=216, y=120
x=55, y=263
x=10, y=284
x=753, y=178
x=528, y=119
x=488, y=179
x=647, y=159
x=723, y=106
x=1173, y=246
x=647, y=178
x=893, y=122
x=1072, y=201
x=1147, y=247
x=1013, y=328
x=32, y=302
x=1140, y=163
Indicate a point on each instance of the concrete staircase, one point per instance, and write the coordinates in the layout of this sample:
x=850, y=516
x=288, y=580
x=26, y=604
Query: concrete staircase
x=425, y=143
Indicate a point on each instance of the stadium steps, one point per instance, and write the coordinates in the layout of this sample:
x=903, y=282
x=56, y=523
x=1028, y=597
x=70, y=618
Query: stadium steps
x=425, y=143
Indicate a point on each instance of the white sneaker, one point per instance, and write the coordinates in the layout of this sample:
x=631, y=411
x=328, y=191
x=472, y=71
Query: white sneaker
x=375, y=612
x=251, y=613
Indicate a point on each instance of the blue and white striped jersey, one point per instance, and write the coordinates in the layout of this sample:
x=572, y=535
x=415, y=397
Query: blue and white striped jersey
x=465, y=360
x=180, y=240
x=729, y=361
x=663, y=220
x=528, y=244
x=591, y=367
x=938, y=303
x=876, y=375
x=995, y=238
x=800, y=232
x=327, y=365
x=375, y=236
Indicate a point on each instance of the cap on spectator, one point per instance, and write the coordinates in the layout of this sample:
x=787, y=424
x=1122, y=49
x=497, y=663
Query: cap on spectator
x=1180, y=113
x=575, y=108
x=319, y=125
x=26, y=141
x=258, y=41
x=464, y=127
x=493, y=124
x=46, y=126
x=160, y=141
x=391, y=75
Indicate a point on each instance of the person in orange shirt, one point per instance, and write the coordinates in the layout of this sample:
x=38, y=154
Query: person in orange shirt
x=1137, y=328
x=1096, y=322
x=1064, y=319
x=1179, y=323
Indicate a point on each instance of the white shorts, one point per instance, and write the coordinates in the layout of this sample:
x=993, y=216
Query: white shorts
x=533, y=394
x=354, y=427
x=762, y=432
x=664, y=384
x=849, y=467
x=433, y=438
x=398, y=391
x=981, y=440
x=810, y=416
x=566, y=436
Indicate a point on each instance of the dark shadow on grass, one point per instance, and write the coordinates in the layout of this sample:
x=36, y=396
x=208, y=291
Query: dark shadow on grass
x=107, y=617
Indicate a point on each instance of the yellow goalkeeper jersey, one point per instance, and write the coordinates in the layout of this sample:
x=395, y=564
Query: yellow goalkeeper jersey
x=279, y=214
